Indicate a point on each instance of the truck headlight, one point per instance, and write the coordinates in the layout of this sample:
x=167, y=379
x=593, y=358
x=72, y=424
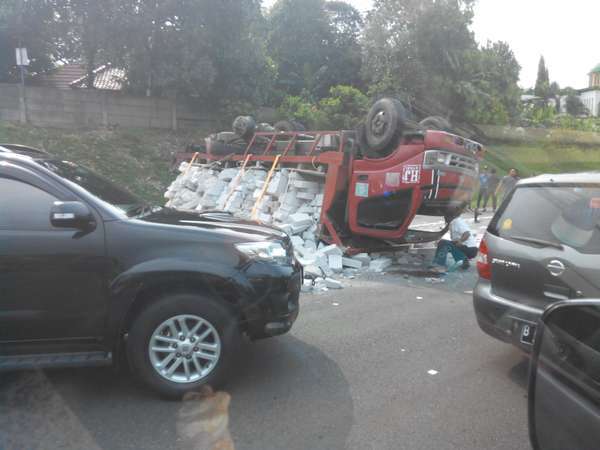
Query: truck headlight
x=266, y=251
x=435, y=157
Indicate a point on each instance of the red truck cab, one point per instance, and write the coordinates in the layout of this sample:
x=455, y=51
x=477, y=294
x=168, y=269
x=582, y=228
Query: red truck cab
x=427, y=174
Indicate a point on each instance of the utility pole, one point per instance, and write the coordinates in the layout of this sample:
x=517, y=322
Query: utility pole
x=22, y=61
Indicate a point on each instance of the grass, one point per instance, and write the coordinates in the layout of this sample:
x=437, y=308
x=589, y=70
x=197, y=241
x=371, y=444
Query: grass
x=537, y=159
x=137, y=159
x=536, y=150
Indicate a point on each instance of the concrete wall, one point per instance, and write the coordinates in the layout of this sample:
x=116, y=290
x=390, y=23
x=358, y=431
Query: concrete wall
x=83, y=108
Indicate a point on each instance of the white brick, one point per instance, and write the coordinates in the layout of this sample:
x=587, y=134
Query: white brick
x=297, y=241
x=330, y=250
x=228, y=174
x=323, y=263
x=363, y=257
x=335, y=262
x=305, y=195
x=353, y=263
x=312, y=271
x=265, y=218
x=305, y=185
x=332, y=284
x=380, y=264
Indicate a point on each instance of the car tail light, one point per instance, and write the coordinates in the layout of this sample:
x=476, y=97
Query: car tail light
x=483, y=264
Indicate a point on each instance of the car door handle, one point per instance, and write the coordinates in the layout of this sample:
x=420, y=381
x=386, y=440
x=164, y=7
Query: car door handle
x=556, y=268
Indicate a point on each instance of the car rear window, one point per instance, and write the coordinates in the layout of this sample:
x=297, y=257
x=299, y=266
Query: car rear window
x=567, y=215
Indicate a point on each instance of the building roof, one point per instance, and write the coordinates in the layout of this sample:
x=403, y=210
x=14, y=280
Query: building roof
x=60, y=77
x=71, y=76
x=596, y=69
x=107, y=78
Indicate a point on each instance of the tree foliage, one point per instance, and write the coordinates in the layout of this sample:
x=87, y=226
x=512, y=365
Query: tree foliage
x=344, y=108
x=542, y=83
x=30, y=24
x=575, y=106
x=314, y=45
x=424, y=51
x=315, y=56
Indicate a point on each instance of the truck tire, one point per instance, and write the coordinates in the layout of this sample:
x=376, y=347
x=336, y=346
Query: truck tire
x=244, y=126
x=435, y=123
x=289, y=126
x=180, y=343
x=384, y=125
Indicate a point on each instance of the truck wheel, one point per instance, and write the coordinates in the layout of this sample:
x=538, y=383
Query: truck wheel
x=435, y=123
x=289, y=126
x=181, y=343
x=244, y=126
x=385, y=123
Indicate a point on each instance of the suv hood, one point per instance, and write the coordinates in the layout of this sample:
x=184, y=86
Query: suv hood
x=215, y=220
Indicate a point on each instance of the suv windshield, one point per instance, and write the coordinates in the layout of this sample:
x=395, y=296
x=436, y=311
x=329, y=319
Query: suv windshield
x=552, y=216
x=96, y=185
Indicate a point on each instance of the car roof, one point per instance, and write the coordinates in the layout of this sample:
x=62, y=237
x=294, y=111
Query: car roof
x=22, y=150
x=563, y=178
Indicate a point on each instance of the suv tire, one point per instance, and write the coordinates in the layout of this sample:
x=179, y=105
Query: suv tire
x=153, y=328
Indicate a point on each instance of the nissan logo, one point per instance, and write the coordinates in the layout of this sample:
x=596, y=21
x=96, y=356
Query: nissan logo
x=556, y=268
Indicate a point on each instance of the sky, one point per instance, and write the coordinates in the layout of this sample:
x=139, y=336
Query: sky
x=565, y=32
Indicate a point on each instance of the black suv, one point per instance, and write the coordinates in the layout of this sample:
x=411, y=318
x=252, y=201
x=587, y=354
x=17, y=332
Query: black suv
x=89, y=273
x=542, y=246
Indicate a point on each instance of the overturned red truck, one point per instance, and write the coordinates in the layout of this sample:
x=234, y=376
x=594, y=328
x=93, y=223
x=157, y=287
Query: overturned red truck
x=376, y=178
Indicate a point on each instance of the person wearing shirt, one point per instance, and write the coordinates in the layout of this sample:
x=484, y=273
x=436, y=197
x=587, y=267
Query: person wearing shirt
x=508, y=183
x=462, y=245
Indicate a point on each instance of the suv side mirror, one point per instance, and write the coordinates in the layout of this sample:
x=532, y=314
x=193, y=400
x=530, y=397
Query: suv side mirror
x=71, y=215
x=564, y=378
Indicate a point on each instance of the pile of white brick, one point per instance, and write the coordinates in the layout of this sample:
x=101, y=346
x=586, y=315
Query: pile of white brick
x=292, y=201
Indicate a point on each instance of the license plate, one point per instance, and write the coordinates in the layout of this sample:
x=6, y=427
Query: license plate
x=527, y=333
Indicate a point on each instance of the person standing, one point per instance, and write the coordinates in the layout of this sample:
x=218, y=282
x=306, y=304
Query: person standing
x=462, y=245
x=508, y=183
x=492, y=185
x=483, y=188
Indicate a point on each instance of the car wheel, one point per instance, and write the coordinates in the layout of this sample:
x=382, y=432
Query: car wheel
x=385, y=123
x=181, y=343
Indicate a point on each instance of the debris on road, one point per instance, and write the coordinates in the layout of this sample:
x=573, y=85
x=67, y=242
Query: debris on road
x=432, y=372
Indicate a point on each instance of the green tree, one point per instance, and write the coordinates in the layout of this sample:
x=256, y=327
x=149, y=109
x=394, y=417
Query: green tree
x=344, y=108
x=494, y=95
x=344, y=58
x=30, y=24
x=315, y=45
x=542, y=83
x=212, y=51
x=299, y=42
x=89, y=31
x=575, y=106
x=421, y=50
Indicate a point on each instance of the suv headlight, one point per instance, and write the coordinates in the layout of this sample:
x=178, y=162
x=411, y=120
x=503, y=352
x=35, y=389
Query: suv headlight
x=266, y=251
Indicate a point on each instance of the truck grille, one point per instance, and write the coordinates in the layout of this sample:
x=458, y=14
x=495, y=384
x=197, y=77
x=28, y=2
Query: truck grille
x=462, y=162
x=443, y=160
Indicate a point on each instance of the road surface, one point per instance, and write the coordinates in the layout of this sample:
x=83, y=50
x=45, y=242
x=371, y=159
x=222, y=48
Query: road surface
x=385, y=363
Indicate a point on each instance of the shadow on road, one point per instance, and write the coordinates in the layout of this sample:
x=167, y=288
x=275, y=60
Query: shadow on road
x=282, y=389
x=519, y=373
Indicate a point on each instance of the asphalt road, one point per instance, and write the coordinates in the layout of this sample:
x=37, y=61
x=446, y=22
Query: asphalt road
x=353, y=373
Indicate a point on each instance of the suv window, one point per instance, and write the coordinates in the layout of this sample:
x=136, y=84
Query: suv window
x=23, y=206
x=567, y=215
